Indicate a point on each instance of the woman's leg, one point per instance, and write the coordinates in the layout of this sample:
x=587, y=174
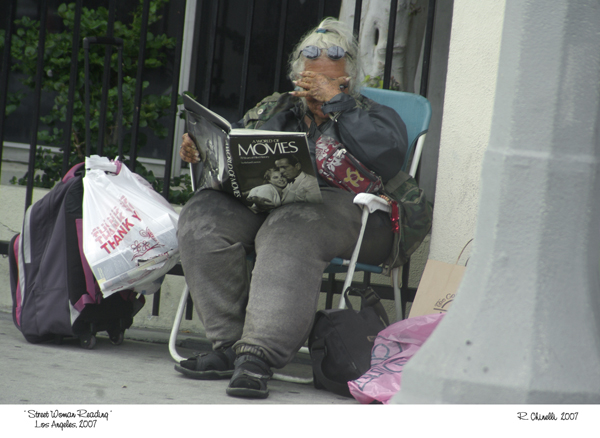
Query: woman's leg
x=215, y=234
x=293, y=247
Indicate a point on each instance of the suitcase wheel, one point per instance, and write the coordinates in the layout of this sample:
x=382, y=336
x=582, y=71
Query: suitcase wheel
x=116, y=339
x=88, y=341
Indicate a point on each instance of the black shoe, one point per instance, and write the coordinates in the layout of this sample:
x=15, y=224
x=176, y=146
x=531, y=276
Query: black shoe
x=215, y=365
x=250, y=377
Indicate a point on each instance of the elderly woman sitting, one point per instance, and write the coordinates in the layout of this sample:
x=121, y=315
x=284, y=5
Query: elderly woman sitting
x=259, y=324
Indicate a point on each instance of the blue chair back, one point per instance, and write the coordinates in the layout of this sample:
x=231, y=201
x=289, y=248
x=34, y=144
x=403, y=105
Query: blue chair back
x=415, y=111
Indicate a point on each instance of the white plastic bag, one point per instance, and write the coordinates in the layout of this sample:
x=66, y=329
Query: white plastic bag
x=129, y=230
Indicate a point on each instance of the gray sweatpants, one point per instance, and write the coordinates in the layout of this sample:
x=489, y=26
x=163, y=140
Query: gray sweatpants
x=272, y=314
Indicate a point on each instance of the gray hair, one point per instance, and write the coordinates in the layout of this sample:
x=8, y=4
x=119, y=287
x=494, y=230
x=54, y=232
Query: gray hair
x=337, y=34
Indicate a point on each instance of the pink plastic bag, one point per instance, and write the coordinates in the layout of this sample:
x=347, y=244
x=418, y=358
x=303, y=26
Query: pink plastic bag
x=393, y=347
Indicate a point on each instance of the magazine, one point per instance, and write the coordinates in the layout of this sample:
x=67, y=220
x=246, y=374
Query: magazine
x=263, y=169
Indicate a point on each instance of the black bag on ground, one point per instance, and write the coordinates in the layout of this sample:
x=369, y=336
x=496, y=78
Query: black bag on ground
x=341, y=340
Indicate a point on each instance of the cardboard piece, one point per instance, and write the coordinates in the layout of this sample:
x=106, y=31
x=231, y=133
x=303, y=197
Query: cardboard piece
x=437, y=288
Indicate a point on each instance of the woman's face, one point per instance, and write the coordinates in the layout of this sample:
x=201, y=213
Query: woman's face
x=327, y=67
x=277, y=179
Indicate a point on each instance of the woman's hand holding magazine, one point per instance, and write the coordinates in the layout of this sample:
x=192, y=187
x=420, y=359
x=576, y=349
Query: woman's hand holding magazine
x=188, y=151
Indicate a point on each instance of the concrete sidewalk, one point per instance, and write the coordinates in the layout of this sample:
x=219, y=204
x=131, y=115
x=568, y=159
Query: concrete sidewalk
x=139, y=371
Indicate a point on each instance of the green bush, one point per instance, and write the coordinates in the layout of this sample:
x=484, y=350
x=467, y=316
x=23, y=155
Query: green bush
x=56, y=79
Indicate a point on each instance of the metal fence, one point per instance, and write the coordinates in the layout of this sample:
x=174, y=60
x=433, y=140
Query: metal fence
x=35, y=116
x=212, y=38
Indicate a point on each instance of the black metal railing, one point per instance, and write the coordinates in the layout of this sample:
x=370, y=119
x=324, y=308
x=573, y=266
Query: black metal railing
x=73, y=79
x=206, y=82
x=43, y=8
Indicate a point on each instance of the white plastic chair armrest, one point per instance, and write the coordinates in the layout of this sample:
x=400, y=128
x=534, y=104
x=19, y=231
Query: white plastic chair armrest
x=372, y=202
x=417, y=156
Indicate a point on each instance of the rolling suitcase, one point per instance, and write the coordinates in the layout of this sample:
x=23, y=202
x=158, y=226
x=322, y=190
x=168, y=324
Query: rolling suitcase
x=54, y=292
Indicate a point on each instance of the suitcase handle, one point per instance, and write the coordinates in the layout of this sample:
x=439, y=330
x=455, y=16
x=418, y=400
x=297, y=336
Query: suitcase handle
x=113, y=41
x=118, y=42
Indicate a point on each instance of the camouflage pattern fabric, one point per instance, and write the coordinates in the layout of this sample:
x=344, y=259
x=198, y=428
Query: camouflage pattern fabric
x=278, y=102
x=416, y=215
x=267, y=108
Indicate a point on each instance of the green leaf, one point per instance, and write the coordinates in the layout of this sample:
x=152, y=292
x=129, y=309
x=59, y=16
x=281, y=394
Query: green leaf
x=30, y=51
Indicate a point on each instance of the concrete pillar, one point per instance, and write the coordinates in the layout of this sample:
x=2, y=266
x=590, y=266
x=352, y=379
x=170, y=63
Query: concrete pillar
x=525, y=325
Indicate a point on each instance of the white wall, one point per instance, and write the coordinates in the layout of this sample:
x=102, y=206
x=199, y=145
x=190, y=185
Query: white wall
x=468, y=103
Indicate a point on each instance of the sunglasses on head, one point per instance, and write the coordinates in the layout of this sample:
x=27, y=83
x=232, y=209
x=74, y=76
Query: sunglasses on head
x=333, y=52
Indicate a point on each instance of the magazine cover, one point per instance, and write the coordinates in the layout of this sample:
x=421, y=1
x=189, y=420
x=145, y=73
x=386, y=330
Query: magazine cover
x=263, y=169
